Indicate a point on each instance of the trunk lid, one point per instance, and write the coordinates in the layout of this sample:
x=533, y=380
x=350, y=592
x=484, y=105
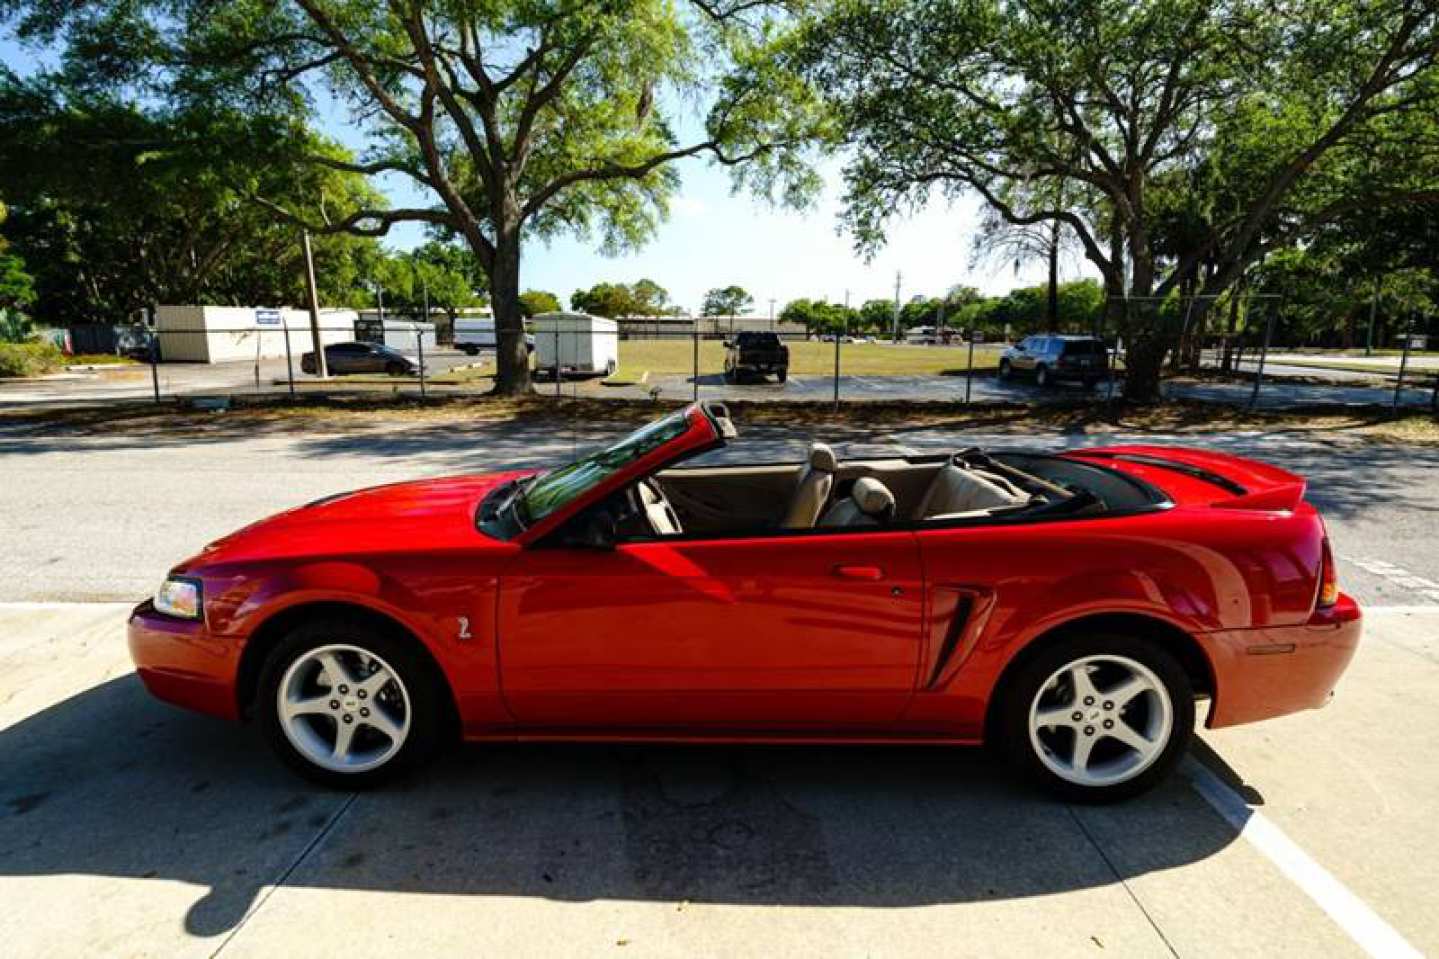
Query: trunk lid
x=1193, y=476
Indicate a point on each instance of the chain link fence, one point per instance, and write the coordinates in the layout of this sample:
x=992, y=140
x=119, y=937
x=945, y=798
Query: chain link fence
x=757, y=360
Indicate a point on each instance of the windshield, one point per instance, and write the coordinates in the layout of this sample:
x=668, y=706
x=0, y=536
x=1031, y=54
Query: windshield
x=554, y=489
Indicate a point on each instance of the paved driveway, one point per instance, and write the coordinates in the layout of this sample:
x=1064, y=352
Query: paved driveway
x=130, y=828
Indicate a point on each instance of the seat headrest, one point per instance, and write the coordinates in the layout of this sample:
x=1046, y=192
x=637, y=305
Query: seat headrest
x=872, y=497
x=821, y=457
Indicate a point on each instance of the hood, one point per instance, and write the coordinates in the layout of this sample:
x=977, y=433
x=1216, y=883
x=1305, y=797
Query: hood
x=418, y=516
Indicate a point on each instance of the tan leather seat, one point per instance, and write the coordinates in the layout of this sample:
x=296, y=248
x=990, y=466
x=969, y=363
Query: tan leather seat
x=811, y=490
x=658, y=512
x=958, y=488
x=870, y=503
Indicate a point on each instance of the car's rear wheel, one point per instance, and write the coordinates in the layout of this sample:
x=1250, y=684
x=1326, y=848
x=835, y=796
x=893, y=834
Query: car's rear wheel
x=348, y=705
x=1041, y=375
x=395, y=368
x=1098, y=718
x=782, y=375
x=1005, y=370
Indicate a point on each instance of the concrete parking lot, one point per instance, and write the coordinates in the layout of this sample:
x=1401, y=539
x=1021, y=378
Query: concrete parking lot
x=130, y=828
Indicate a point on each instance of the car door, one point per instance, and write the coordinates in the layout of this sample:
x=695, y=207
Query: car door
x=814, y=630
x=1023, y=354
x=341, y=358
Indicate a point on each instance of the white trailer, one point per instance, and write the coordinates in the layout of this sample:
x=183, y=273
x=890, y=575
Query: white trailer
x=576, y=343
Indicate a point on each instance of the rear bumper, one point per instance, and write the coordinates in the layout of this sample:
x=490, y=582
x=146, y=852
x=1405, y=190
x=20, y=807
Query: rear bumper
x=180, y=662
x=1263, y=673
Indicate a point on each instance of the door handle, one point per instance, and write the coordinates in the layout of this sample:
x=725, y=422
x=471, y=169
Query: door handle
x=859, y=572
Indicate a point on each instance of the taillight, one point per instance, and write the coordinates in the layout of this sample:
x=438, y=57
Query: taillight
x=1328, y=578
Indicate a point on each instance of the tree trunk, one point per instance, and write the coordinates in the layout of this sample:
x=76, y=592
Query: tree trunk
x=1052, y=307
x=512, y=359
x=1227, y=362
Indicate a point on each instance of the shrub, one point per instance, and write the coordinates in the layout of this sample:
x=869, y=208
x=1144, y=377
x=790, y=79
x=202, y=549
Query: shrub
x=29, y=359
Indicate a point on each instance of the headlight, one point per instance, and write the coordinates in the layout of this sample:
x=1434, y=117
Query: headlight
x=179, y=597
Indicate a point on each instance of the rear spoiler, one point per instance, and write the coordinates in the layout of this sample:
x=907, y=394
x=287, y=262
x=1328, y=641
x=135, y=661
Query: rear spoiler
x=1250, y=483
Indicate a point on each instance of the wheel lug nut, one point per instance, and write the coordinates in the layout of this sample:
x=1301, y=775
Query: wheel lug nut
x=1109, y=724
x=348, y=718
x=1078, y=716
x=364, y=712
x=362, y=694
x=344, y=689
x=1108, y=704
x=334, y=704
x=1088, y=700
x=1088, y=730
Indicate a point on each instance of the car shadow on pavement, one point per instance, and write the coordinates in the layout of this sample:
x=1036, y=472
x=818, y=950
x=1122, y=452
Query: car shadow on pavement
x=111, y=783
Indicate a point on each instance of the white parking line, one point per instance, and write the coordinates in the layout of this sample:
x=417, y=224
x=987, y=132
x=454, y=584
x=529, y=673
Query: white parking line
x=1398, y=575
x=1363, y=925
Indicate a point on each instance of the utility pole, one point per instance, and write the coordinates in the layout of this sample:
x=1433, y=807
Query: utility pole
x=322, y=370
x=897, y=277
x=771, y=314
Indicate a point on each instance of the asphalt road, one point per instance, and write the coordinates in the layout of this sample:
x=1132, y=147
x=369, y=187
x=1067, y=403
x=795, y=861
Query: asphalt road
x=130, y=828
x=102, y=517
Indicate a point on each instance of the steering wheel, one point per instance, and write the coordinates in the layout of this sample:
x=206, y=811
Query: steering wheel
x=657, y=509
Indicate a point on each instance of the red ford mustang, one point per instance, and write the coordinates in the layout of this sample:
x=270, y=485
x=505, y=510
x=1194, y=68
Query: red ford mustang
x=1069, y=608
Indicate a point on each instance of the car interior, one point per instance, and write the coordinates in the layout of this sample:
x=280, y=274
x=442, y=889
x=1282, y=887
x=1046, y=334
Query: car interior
x=824, y=493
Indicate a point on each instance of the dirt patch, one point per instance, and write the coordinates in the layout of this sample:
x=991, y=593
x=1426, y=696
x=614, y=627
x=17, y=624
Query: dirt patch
x=321, y=414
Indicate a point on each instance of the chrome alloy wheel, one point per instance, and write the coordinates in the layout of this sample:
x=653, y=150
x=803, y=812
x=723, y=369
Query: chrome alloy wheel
x=1100, y=720
x=343, y=708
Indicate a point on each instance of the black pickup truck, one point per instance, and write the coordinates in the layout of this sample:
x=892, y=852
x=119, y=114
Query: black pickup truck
x=755, y=352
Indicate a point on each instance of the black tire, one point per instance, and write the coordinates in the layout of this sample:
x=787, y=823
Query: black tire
x=730, y=376
x=471, y=350
x=1041, y=375
x=1005, y=370
x=1012, y=717
x=396, y=368
x=1090, y=382
x=427, y=697
x=782, y=375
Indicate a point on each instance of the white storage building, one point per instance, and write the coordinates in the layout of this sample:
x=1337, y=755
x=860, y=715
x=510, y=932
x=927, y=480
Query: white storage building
x=219, y=334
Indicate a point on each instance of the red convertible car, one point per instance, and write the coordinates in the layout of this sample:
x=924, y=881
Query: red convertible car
x=1068, y=608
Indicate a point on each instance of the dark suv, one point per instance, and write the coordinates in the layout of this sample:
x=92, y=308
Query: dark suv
x=755, y=352
x=1052, y=358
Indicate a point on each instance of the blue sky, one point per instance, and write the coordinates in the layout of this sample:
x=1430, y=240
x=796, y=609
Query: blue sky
x=716, y=238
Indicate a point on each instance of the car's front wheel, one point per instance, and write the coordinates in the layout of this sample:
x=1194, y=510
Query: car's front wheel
x=1098, y=718
x=348, y=705
x=1041, y=376
x=1005, y=370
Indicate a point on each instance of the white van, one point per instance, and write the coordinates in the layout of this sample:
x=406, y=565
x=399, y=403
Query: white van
x=473, y=334
x=922, y=335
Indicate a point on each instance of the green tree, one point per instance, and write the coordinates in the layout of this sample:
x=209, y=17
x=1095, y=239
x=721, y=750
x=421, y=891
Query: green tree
x=1109, y=116
x=605, y=299
x=727, y=301
x=650, y=299
x=535, y=302
x=877, y=316
x=515, y=120
x=17, y=288
x=116, y=208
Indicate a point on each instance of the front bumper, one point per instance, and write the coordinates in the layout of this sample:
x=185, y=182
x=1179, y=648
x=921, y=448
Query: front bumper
x=180, y=662
x=1263, y=673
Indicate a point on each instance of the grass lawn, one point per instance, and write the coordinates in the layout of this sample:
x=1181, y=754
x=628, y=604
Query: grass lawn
x=808, y=357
